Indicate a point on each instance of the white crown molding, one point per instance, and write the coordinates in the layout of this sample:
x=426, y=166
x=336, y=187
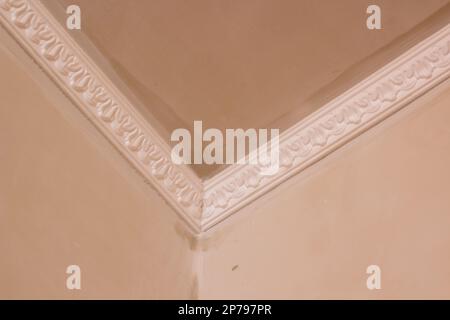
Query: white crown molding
x=203, y=205
x=50, y=45
x=353, y=112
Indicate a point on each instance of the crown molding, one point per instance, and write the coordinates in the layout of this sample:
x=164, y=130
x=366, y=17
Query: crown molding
x=350, y=114
x=101, y=101
x=204, y=204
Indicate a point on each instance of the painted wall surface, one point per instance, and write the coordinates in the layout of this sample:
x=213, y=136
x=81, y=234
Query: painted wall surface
x=243, y=64
x=64, y=200
x=383, y=199
x=67, y=197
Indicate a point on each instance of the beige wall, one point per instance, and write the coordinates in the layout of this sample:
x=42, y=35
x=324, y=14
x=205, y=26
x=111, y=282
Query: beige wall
x=65, y=199
x=384, y=200
x=243, y=64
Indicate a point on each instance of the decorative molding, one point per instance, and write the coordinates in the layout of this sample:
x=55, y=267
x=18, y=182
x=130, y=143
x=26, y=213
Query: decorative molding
x=204, y=204
x=47, y=41
x=353, y=112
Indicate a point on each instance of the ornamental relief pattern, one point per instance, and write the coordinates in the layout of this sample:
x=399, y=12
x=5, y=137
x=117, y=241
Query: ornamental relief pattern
x=204, y=205
x=97, y=100
x=335, y=121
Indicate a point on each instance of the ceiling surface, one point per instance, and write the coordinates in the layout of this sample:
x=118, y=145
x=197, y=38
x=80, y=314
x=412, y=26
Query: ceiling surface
x=239, y=64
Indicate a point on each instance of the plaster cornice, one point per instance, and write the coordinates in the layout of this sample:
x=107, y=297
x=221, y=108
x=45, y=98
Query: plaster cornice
x=102, y=102
x=204, y=204
x=353, y=112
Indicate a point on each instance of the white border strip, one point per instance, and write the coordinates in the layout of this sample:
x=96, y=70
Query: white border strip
x=203, y=205
x=48, y=42
x=350, y=114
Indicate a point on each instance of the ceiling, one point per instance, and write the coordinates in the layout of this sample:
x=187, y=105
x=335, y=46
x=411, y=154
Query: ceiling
x=240, y=64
